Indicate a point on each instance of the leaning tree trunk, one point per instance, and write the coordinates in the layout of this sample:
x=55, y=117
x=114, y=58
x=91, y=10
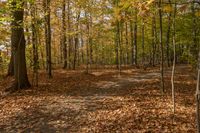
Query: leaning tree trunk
x=18, y=43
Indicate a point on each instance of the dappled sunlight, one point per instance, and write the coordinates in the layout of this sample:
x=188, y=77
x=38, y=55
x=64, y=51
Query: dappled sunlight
x=107, y=84
x=100, y=102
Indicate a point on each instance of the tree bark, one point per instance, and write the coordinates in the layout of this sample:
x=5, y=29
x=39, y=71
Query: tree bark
x=161, y=47
x=174, y=60
x=76, y=39
x=64, y=40
x=48, y=36
x=35, y=44
x=18, y=44
x=11, y=65
x=135, y=38
x=168, y=37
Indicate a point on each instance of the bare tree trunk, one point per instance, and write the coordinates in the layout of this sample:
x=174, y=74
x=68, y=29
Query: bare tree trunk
x=90, y=40
x=127, y=44
x=153, y=41
x=168, y=37
x=69, y=34
x=64, y=40
x=135, y=38
x=197, y=97
x=161, y=48
x=76, y=42
x=48, y=36
x=87, y=44
x=195, y=41
x=143, y=39
x=35, y=44
x=174, y=61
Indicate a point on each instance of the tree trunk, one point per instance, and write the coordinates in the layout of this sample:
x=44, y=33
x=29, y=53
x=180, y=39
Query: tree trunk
x=168, y=37
x=135, y=38
x=18, y=44
x=161, y=47
x=127, y=45
x=11, y=64
x=64, y=43
x=143, y=39
x=35, y=44
x=174, y=61
x=69, y=34
x=48, y=36
x=76, y=42
x=153, y=41
x=90, y=40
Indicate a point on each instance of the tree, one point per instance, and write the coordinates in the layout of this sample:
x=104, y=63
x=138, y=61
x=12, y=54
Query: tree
x=161, y=46
x=34, y=43
x=18, y=45
x=64, y=41
x=174, y=60
x=168, y=36
x=48, y=36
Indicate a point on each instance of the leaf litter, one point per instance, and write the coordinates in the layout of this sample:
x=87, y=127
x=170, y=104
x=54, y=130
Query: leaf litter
x=101, y=102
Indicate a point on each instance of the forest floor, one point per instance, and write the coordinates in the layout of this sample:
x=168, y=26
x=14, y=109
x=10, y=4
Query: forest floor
x=101, y=102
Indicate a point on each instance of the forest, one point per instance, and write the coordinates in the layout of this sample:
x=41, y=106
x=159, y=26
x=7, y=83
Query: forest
x=99, y=66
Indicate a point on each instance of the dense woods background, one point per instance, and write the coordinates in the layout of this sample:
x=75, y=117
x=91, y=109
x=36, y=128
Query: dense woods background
x=40, y=38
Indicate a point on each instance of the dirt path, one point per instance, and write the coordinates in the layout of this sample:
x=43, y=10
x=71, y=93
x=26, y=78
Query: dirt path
x=101, y=102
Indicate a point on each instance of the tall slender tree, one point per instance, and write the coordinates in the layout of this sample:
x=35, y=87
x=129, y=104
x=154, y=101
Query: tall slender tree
x=161, y=46
x=64, y=40
x=174, y=59
x=48, y=36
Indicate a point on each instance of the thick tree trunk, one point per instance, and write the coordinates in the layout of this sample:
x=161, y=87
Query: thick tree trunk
x=18, y=44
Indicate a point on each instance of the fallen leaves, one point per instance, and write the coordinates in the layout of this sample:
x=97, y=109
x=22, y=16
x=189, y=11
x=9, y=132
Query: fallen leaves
x=100, y=102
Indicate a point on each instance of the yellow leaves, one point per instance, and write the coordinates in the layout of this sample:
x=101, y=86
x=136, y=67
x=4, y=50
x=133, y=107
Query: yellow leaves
x=150, y=2
x=117, y=11
x=143, y=9
x=167, y=8
x=197, y=14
